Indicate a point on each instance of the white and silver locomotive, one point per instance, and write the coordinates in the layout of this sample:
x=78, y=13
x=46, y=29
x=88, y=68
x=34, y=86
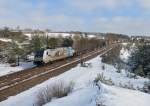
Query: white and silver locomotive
x=50, y=55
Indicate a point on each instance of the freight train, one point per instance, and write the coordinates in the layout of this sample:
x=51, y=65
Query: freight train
x=50, y=55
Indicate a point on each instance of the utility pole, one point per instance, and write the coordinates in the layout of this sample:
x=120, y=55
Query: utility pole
x=18, y=60
x=81, y=49
x=81, y=59
x=47, y=41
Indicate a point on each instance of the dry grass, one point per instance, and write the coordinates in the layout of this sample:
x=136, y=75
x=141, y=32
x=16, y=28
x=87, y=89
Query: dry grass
x=100, y=104
x=56, y=90
x=102, y=78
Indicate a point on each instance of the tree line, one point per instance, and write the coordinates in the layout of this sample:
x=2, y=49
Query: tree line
x=15, y=35
x=17, y=51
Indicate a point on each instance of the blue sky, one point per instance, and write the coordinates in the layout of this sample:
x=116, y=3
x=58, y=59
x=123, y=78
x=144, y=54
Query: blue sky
x=118, y=16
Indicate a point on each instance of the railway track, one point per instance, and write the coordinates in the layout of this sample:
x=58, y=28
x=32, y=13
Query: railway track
x=15, y=83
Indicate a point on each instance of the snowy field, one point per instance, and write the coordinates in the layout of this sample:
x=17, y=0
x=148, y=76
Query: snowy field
x=5, y=40
x=7, y=69
x=84, y=92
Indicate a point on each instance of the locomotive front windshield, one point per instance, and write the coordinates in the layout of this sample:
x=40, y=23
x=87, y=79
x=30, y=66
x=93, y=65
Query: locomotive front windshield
x=39, y=53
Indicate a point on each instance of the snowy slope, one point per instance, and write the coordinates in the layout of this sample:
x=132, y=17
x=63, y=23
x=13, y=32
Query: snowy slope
x=80, y=97
x=84, y=92
x=115, y=96
x=109, y=96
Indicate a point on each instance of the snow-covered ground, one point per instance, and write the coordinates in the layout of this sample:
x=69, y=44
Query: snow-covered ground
x=115, y=96
x=5, y=40
x=62, y=34
x=85, y=93
x=51, y=34
x=7, y=69
x=125, y=52
x=29, y=35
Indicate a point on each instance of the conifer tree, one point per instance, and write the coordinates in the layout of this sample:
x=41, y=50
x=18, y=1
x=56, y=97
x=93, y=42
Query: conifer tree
x=139, y=61
x=67, y=42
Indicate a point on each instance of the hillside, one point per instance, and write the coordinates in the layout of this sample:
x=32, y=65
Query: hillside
x=85, y=92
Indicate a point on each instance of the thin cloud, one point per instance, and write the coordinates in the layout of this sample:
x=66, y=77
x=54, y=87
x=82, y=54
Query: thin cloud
x=89, y=5
x=126, y=25
x=144, y=4
x=75, y=15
